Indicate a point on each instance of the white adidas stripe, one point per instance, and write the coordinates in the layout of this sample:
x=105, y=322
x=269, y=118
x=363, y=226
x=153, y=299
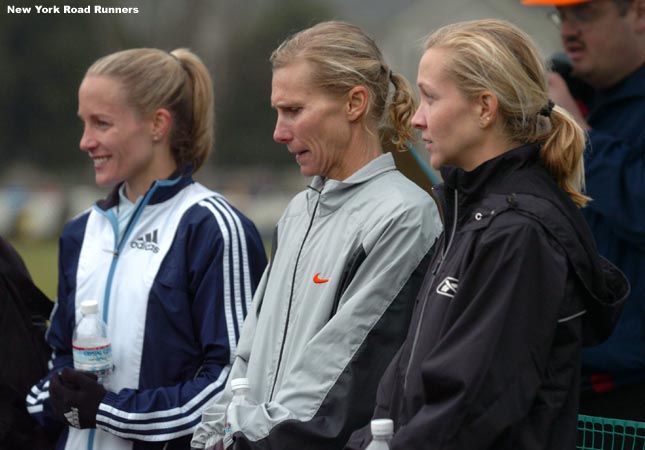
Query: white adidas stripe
x=107, y=423
x=228, y=310
x=246, y=275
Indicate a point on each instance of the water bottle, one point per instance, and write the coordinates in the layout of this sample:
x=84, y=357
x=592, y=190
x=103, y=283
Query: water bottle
x=382, y=431
x=91, y=348
x=240, y=387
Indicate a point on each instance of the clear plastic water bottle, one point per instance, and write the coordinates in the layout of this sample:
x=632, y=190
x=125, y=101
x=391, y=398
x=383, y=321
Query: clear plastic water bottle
x=91, y=347
x=240, y=387
x=382, y=431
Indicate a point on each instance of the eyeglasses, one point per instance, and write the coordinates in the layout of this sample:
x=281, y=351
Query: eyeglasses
x=579, y=15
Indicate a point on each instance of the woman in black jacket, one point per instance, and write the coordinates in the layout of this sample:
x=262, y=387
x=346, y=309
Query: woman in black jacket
x=491, y=360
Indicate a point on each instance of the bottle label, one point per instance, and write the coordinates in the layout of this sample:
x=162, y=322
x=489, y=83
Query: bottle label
x=228, y=432
x=94, y=359
x=228, y=439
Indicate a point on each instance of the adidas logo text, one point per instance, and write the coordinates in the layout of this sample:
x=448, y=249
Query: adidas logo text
x=148, y=242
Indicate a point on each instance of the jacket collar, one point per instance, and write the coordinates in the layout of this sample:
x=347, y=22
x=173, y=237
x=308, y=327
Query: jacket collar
x=160, y=190
x=331, y=194
x=487, y=177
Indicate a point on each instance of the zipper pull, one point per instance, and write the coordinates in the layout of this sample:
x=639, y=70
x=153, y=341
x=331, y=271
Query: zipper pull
x=115, y=253
x=436, y=267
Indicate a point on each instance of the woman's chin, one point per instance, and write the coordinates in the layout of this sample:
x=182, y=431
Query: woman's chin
x=436, y=162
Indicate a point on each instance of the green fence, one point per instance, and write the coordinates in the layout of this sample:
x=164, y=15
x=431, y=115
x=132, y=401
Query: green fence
x=599, y=433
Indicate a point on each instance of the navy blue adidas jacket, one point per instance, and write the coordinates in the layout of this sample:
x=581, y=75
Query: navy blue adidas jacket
x=173, y=292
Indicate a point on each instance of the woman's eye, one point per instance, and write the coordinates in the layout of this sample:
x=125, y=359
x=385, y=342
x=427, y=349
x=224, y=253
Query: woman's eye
x=429, y=99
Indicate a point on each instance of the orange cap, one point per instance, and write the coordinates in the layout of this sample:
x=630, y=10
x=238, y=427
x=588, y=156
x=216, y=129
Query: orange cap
x=554, y=2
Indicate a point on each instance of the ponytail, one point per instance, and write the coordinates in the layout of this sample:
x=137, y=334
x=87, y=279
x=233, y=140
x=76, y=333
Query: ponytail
x=561, y=154
x=194, y=136
x=401, y=109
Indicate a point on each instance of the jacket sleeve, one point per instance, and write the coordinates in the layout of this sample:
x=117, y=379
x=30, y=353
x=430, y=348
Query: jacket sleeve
x=62, y=320
x=614, y=178
x=224, y=263
x=362, y=437
x=353, y=348
x=211, y=428
x=491, y=354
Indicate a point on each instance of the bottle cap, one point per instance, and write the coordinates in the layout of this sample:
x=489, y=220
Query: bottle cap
x=240, y=383
x=382, y=427
x=89, y=307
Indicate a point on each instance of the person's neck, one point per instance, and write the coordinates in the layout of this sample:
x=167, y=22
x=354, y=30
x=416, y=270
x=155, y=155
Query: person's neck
x=135, y=188
x=363, y=147
x=491, y=147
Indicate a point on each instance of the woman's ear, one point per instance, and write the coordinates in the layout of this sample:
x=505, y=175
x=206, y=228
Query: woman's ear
x=160, y=124
x=486, y=107
x=357, y=102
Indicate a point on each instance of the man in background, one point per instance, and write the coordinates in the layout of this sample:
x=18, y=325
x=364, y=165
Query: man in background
x=604, y=89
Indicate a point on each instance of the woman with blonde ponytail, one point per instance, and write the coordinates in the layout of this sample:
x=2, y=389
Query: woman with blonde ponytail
x=516, y=285
x=172, y=264
x=350, y=251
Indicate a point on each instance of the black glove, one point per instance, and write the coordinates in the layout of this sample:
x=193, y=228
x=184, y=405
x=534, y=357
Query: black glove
x=75, y=397
x=56, y=396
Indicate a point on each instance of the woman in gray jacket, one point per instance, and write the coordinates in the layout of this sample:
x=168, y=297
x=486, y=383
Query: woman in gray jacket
x=348, y=256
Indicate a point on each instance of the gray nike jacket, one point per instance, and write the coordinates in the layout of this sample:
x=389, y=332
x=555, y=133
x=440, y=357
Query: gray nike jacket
x=331, y=311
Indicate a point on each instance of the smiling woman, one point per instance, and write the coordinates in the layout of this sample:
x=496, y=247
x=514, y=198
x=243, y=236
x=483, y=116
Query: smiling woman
x=123, y=145
x=171, y=263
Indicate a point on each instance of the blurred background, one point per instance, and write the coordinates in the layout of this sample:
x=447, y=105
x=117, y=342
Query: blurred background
x=45, y=179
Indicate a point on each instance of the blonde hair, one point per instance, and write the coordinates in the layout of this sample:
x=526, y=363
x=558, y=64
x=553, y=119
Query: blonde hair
x=495, y=55
x=346, y=57
x=177, y=81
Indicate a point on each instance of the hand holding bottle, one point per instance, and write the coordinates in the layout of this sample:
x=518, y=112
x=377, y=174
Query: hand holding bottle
x=218, y=446
x=75, y=397
x=240, y=387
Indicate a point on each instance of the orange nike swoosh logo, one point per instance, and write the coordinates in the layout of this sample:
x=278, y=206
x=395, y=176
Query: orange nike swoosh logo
x=319, y=280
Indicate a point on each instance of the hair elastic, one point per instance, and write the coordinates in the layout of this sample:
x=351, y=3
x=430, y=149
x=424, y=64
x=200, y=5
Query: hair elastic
x=546, y=111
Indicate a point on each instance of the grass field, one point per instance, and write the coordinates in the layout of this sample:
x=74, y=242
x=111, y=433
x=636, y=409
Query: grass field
x=41, y=258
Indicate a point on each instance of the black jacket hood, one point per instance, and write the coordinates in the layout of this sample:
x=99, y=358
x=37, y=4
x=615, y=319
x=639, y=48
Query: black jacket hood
x=605, y=283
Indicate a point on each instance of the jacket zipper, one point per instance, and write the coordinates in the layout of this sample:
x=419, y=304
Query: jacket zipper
x=115, y=256
x=119, y=244
x=430, y=284
x=293, y=283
